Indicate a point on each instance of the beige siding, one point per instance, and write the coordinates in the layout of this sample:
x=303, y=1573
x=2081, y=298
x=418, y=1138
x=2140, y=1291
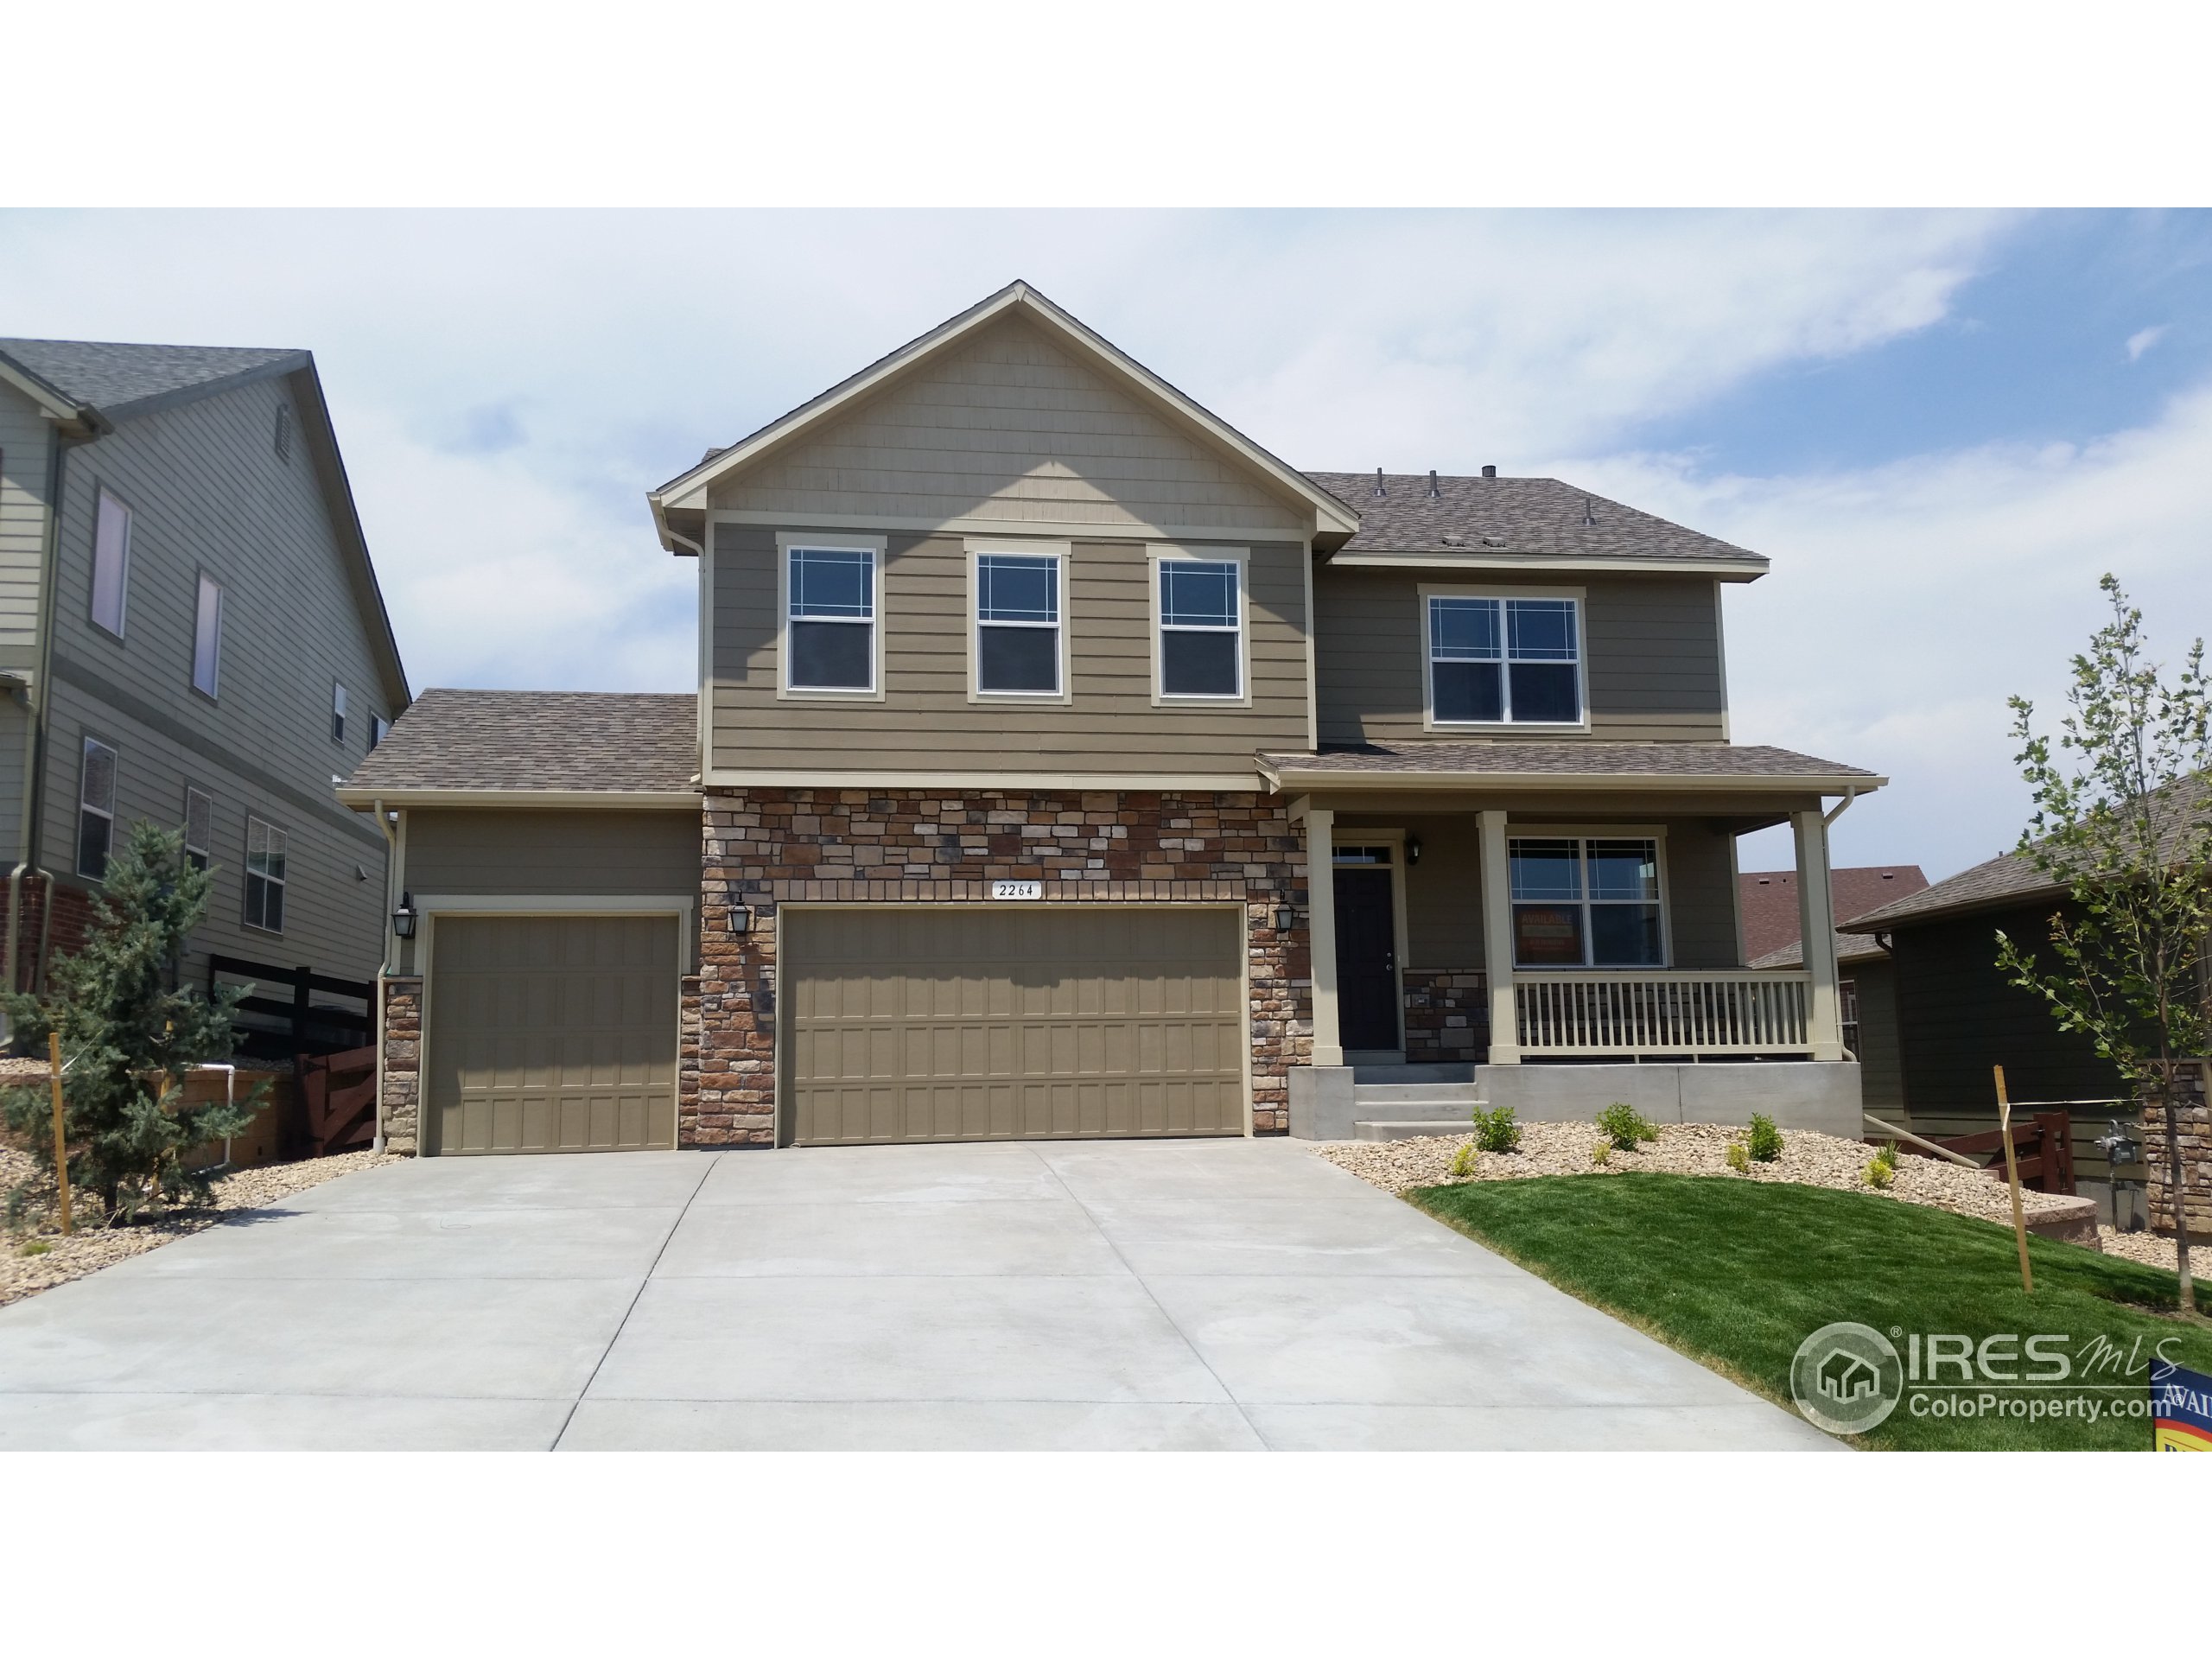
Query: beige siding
x=333, y=899
x=1009, y=425
x=207, y=491
x=26, y=438
x=925, y=722
x=564, y=853
x=1653, y=668
x=1701, y=896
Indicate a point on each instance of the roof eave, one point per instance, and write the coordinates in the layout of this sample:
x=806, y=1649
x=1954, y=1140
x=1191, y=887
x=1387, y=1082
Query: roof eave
x=54, y=403
x=1726, y=569
x=363, y=798
x=1285, y=779
x=1332, y=518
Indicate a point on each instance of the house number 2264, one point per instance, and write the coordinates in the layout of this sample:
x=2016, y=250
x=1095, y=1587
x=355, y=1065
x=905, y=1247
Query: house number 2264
x=1017, y=889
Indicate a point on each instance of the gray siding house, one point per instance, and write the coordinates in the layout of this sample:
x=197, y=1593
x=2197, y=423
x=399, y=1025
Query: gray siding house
x=191, y=633
x=1065, y=763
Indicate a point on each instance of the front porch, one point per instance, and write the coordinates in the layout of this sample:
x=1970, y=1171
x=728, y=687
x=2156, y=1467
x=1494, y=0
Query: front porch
x=1558, y=939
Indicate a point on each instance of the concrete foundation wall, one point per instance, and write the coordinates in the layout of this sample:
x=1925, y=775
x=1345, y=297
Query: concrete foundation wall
x=1795, y=1094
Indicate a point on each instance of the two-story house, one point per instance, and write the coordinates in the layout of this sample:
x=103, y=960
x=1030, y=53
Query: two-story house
x=1065, y=763
x=190, y=634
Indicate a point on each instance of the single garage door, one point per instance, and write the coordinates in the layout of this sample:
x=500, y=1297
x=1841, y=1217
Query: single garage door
x=551, y=1033
x=917, y=1023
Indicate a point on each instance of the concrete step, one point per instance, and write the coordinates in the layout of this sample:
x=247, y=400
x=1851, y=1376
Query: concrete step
x=1460, y=1072
x=1411, y=1100
x=1406, y=1129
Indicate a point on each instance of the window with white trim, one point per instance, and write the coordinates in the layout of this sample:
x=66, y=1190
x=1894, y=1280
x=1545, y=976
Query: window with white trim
x=1587, y=901
x=95, y=809
x=111, y=563
x=1201, y=628
x=199, y=826
x=207, y=637
x=265, y=847
x=830, y=619
x=1018, y=623
x=1505, y=661
x=337, y=713
x=379, y=729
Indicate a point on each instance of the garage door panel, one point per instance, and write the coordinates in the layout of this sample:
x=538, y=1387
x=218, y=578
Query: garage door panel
x=552, y=1033
x=999, y=1023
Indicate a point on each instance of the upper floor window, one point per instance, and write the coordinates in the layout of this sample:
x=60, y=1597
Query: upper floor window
x=199, y=826
x=830, y=623
x=379, y=728
x=1586, y=902
x=337, y=714
x=1018, y=623
x=207, y=637
x=95, y=809
x=111, y=563
x=1201, y=628
x=265, y=846
x=1505, y=661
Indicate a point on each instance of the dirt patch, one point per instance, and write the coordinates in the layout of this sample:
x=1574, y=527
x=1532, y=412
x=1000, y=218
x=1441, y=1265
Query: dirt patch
x=1809, y=1158
x=93, y=1246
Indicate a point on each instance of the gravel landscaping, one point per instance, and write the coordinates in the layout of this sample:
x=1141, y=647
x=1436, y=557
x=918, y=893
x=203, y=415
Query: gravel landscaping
x=92, y=1246
x=1809, y=1158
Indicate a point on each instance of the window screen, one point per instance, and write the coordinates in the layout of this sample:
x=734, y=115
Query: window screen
x=1201, y=625
x=95, y=809
x=1017, y=622
x=830, y=629
x=111, y=563
x=207, y=637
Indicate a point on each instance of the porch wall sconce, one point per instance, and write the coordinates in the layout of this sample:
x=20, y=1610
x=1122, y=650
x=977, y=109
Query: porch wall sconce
x=403, y=919
x=1412, y=849
x=740, y=919
x=1286, y=919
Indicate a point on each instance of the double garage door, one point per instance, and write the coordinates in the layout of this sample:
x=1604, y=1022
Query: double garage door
x=558, y=1033
x=914, y=1023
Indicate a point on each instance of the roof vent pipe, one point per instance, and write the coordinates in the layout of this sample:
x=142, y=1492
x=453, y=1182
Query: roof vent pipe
x=1490, y=472
x=1433, y=492
x=1589, y=510
x=1379, y=491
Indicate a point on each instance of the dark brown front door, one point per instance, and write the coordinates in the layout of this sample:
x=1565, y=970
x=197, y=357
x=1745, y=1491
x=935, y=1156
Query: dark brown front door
x=1367, y=962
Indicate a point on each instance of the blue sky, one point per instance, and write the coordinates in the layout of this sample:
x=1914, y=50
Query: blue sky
x=1941, y=427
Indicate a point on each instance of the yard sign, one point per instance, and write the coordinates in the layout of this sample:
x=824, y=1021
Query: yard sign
x=2181, y=1404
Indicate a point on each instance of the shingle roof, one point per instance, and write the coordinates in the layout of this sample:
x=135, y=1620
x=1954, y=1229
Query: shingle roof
x=1767, y=900
x=113, y=376
x=1569, y=759
x=1538, y=517
x=2010, y=877
x=1849, y=947
x=589, y=741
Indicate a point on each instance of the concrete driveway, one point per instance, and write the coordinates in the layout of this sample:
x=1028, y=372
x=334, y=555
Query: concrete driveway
x=1164, y=1294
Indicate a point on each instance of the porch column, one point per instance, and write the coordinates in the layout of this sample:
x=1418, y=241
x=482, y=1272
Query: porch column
x=1497, y=940
x=1816, y=918
x=1321, y=930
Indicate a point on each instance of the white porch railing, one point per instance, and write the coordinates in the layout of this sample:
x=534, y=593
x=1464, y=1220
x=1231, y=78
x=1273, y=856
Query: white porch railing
x=1650, y=1013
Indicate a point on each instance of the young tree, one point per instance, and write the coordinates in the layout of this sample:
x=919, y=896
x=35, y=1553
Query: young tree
x=128, y=1037
x=2123, y=827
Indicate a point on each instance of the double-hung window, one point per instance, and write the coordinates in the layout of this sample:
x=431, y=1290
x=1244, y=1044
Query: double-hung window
x=830, y=623
x=95, y=809
x=199, y=826
x=207, y=637
x=1201, y=628
x=1586, y=902
x=265, y=846
x=1503, y=661
x=111, y=563
x=1018, y=624
x=337, y=713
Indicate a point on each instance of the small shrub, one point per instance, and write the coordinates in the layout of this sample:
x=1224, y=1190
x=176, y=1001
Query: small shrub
x=36, y=1247
x=1463, y=1162
x=1600, y=1152
x=1496, y=1131
x=1764, y=1142
x=1624, y=1126
x=1882, y=1168
x=1739, y=1158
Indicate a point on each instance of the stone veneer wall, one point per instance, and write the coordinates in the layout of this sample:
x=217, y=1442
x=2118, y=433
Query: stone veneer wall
x=768, y=846
x=2196, y=1124
x=400, y=1079
x=1448, y=1016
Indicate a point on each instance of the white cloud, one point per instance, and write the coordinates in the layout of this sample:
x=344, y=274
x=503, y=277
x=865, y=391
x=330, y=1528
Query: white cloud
x=2143, y=339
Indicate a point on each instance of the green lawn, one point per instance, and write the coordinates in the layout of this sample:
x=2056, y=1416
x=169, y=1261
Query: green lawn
x=1735, y=1274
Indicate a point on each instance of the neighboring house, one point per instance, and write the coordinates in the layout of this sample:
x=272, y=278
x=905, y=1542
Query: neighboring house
x=1767, y=901
x=1067, y=765
x=191, y=633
